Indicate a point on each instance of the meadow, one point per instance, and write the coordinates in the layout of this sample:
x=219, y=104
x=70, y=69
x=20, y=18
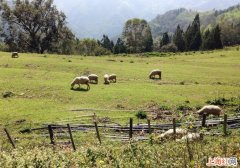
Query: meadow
x=41, y=87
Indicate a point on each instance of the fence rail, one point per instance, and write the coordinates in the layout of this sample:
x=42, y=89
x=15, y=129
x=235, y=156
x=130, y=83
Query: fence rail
x=129, y=131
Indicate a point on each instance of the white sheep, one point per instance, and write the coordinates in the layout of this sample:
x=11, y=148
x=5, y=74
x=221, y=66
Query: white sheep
x=80, y=80
x=155, y=72
x=106, y=79
x=189, y=137
x=113, y=78
x=167, y=134
x=210, y=109
x=93, y=77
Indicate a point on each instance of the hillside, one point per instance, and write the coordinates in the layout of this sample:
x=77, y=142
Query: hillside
x=108, y=17
x=169, y=21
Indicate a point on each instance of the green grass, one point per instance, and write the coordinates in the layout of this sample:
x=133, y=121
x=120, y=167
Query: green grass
x=42, y=84
x=42, y=95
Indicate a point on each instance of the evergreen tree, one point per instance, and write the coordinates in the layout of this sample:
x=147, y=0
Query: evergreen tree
x=178, y=39
x=217, y=38
x=165, y=39
x=106, y=43
x=212, y=39
x=207, y=40
x=193, y=39
x=119, y=47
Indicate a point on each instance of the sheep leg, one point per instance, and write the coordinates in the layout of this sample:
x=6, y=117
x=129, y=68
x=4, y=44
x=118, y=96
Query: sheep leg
x=88, y=86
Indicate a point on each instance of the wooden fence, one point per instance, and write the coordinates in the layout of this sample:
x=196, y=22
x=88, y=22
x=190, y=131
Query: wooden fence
x=125, y=133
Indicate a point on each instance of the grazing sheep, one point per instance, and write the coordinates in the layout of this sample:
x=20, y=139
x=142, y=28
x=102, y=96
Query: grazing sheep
x=80, y=80
x=106, y=79
x=169, y=133
x=155, y=72
x=113, y=78
x=15, y=55
x=210, y=109
x=189, y=137
x=93, y=77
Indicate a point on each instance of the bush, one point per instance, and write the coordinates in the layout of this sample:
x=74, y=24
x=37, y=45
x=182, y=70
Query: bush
x=7, y=94
x=219, y=101
x=141, y=114
x=169, y=48
x=184, y=107
x=163, y=107
x=182, y=83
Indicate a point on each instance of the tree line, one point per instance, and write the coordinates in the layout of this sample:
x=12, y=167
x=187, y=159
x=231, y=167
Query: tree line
x=37, y=26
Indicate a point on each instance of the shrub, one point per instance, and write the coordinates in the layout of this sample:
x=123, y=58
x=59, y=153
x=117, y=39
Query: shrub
x=131, y=61
x=237, y=110
x=7, y=94
x=163, y=107
x=184, y=107
x=182, y=83
x=141, y=114
x=169, y=48
x=219, y=101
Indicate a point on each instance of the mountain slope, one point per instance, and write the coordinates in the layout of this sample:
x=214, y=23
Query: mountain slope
x=92, y=19
x=183, y=17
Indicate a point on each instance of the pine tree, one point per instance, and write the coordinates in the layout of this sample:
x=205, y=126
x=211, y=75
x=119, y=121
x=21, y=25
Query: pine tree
x=193, y=39
x=217, y=38
x=106, y=43
x=212, y=39
x=178, y=39
x=207, y=40
x=119, y=47
x=165, y=39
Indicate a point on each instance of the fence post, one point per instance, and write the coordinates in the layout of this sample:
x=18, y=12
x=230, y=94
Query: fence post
x=130, y=128
x=9, y=138
x=174, y=128
x=204, y=120
x=225, y=125
x=149, y=126
x=71, y=137
x=98, y=135
x=50, y=131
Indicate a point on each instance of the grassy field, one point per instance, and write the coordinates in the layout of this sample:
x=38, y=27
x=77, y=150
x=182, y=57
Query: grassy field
x=42, y=94
x=41, y=83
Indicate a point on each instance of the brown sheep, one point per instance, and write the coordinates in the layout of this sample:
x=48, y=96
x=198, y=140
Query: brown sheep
x=106, y=79
x=93, y=77
x=210, y=109
x=113, y=78
x=15, y=55
x=155, y=72
x=81, y=80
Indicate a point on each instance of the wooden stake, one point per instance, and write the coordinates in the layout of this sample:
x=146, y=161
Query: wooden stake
x=71, y=137
x=130, y=128
x=149, y=126
x=50, y=131
x=98, y=135
x=174, y=128
x=9, y=138
x=204, y=120
x=174, y=125
x=225, y=125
